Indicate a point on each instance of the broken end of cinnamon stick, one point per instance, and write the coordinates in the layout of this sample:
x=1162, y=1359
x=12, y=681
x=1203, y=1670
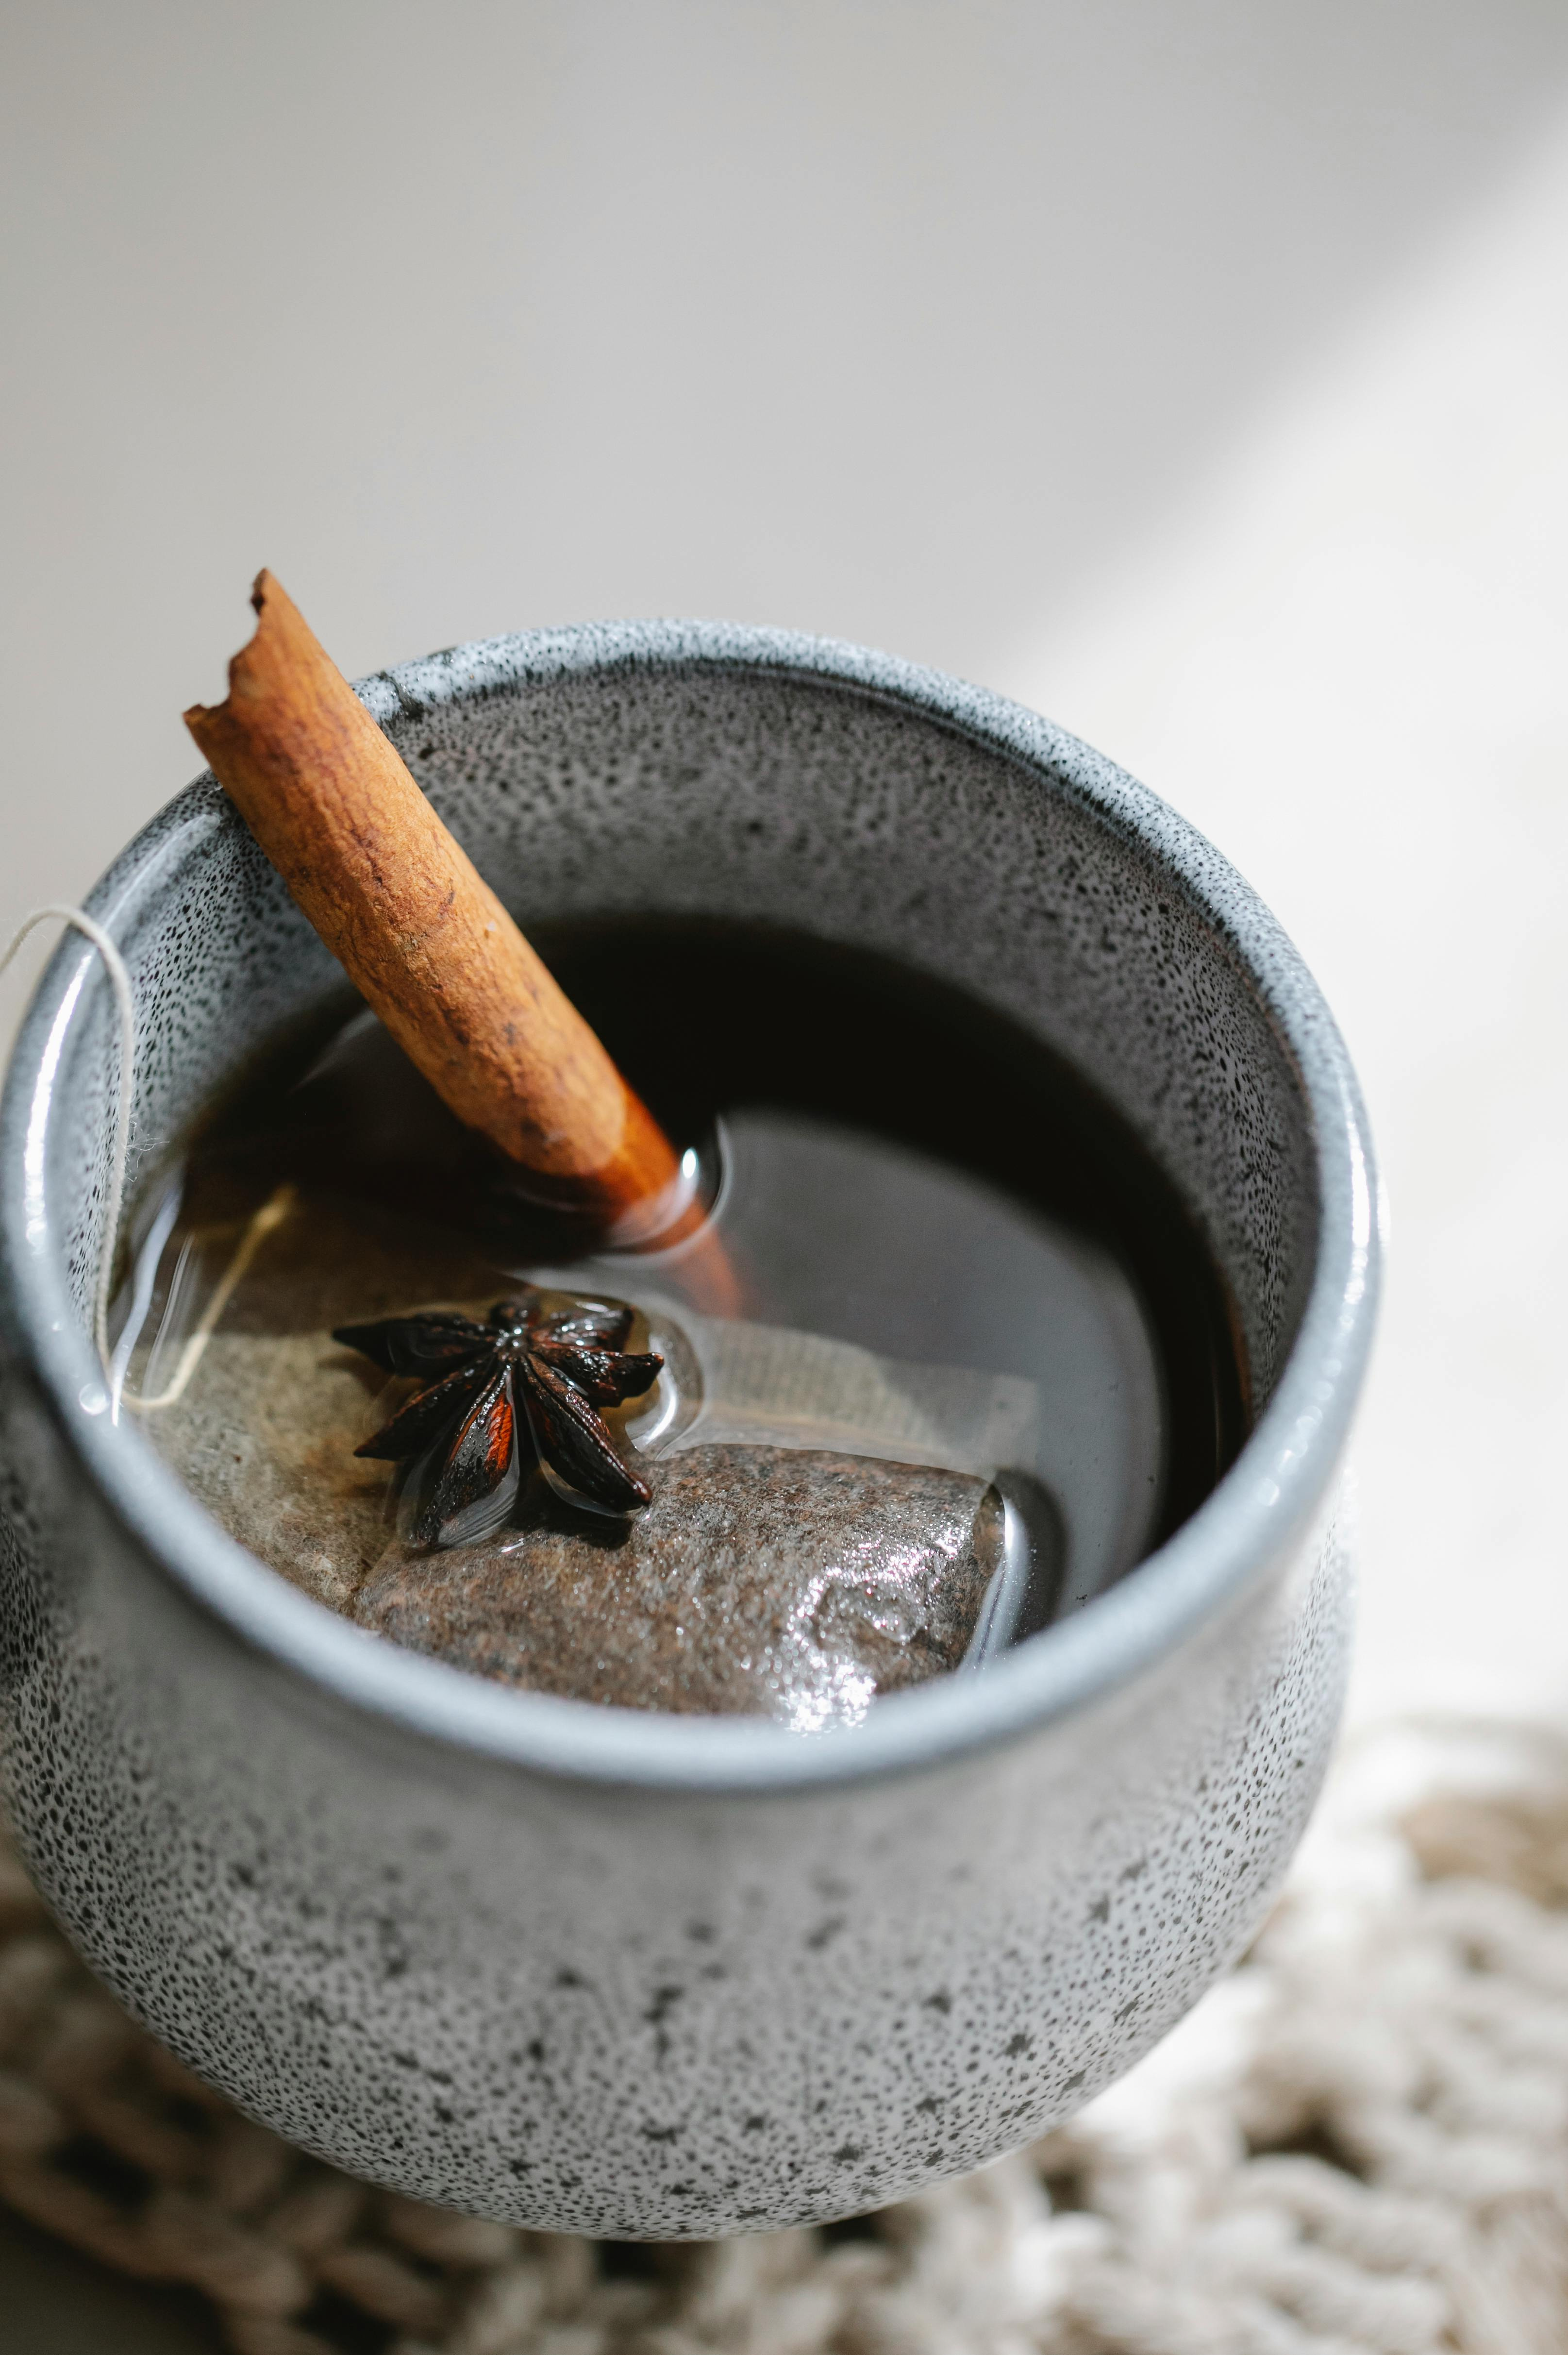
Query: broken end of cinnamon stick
x=282, y=657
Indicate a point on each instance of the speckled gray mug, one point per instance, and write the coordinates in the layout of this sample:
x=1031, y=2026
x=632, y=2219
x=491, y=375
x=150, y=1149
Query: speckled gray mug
x=633, y=1975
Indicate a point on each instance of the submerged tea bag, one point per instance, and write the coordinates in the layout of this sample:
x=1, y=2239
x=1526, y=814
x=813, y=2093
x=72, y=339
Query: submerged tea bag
x=822, y=1527
x=823, y=1524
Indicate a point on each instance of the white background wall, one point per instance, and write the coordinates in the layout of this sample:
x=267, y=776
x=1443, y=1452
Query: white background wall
x=1196, y=370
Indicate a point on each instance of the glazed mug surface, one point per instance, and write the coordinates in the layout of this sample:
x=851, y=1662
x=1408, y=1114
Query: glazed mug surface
x=623, y=1974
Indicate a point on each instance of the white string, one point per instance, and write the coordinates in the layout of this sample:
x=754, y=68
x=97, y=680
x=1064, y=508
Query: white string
x=272, y=1214
x=114, y=965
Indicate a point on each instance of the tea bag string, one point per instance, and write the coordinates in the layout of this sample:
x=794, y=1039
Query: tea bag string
x=277, y=1206
x=114, y=965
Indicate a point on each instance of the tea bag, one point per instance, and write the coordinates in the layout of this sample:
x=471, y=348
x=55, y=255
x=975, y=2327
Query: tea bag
x=823, y=1526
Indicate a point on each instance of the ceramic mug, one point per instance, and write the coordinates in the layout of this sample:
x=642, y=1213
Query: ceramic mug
x=618, y=1973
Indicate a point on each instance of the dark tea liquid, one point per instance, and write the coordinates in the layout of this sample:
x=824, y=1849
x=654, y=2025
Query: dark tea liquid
x=896, y=1168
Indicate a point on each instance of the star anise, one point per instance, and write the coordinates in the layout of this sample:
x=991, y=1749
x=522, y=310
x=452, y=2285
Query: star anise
x=521, y=1386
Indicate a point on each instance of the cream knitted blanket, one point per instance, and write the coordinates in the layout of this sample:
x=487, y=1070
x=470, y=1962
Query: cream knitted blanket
x=1359, y=2141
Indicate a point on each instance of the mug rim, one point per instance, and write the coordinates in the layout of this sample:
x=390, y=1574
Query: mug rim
x=1263, y=1503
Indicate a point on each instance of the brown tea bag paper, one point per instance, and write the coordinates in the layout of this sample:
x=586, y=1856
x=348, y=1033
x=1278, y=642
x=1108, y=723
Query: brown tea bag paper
x=788, y=1582
x=823, y=1525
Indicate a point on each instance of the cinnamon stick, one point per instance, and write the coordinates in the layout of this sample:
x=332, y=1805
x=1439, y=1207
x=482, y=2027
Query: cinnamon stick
x=425, y=939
